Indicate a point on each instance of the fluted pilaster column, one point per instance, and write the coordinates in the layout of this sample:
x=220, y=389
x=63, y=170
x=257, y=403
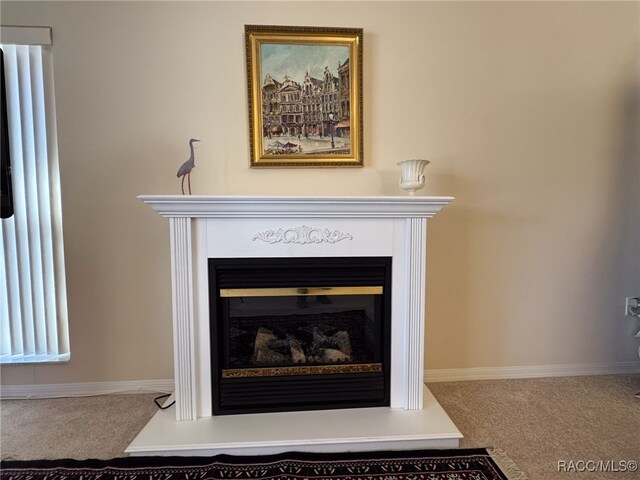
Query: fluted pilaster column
x=415, y=271
x=183, y=319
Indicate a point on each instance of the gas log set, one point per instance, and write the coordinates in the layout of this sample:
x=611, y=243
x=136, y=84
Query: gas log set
x=296, y=340
x=271, y=350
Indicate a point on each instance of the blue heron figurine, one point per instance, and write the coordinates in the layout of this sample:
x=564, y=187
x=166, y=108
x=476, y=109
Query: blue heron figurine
x=186, y=167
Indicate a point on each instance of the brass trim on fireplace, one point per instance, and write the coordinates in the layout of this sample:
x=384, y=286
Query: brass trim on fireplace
x=297, y=292
x=306, y=370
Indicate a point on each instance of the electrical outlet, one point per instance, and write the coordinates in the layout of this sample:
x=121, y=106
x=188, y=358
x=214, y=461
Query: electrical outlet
x=632, y=306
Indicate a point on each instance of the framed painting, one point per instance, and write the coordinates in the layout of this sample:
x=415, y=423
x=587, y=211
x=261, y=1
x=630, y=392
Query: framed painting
x=305, y=96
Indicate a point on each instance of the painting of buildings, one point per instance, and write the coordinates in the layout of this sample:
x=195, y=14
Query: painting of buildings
x=305, y=97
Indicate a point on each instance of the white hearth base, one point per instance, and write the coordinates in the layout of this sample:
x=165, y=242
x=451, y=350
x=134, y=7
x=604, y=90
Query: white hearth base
x=362, y=429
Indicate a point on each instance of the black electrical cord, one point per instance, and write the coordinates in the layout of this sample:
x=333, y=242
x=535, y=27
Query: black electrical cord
x=160, y=398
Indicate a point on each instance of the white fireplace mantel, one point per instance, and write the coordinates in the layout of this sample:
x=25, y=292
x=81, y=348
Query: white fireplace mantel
x=203, y=227
x=394, y=226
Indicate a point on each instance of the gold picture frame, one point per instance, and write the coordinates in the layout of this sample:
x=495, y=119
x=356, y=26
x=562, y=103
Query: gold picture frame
x=305, y=96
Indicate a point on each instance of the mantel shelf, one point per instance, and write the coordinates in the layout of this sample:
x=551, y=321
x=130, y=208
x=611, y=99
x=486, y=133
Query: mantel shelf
x=221, y=206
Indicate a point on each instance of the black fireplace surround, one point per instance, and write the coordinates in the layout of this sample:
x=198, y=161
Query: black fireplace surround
x=293, y=334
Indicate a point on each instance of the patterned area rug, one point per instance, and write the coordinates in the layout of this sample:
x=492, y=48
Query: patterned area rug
x=461, y=464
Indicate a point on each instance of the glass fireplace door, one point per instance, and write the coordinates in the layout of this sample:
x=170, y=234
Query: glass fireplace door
x=301, y=330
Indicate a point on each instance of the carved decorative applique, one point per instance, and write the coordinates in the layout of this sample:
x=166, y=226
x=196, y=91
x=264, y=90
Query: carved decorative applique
x=302, y=235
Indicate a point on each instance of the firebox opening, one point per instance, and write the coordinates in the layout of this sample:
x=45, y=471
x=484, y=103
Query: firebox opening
x=299, y=333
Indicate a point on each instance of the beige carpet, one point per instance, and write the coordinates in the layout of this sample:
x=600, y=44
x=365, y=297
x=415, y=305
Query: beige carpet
x=537, y=422
x=90, y=427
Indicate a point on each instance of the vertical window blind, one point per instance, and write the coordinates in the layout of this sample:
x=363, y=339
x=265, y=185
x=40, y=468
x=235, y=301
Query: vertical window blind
x=33, y=309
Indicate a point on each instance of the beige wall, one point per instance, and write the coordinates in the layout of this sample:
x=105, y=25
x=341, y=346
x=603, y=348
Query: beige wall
x=528, y=112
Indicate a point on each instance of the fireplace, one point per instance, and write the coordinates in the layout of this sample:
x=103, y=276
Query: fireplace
x=299, y=333
x=239, y=264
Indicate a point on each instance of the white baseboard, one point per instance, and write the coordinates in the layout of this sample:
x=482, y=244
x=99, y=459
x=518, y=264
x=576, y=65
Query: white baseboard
x=529, y=371
x=59, y=390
